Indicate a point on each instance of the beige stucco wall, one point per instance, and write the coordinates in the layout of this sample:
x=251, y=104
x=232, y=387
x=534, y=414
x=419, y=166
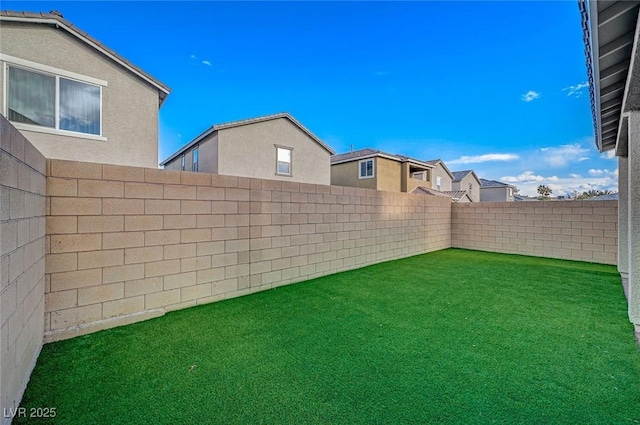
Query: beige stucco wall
x=346, y=174
x=446, y=180
x=250, y=151
x=22, y=263
x=207, y=157
x=464, y=185
x=495, y=194
x=388, y=175
x=129, y=105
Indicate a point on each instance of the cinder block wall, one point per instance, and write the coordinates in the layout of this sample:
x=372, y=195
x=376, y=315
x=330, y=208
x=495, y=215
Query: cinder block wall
x=126, y=243
x=571, y=230
x=22, y=263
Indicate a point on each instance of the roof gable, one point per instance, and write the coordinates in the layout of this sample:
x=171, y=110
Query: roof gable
x=231, y=124
x=56, y=20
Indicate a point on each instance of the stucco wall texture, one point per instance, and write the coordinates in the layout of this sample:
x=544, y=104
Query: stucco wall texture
x=129, y=105
x=22, y=262
x=570, y=230
x=126, y=243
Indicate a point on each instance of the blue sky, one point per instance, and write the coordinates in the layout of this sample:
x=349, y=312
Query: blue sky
x=497, y=87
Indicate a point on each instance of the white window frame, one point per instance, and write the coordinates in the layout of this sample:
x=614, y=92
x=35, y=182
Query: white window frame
x=290, y=149
x=182, y=162
x=11, y=61
x=373, y=169
x=438, y=182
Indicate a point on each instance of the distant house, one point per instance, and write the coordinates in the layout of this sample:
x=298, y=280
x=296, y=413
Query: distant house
x=455, y=195
x=468, y=181
x=275, y=147
x=495, y=191
x=73, y=97
x=374, y=169
x=442, y=178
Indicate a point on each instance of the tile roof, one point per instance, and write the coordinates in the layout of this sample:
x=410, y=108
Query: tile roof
x=454, y=194
x=459, y=175
x=248, y=121
x=56, y=18
x=493, y=183
x=368, y=152
x=607, y=197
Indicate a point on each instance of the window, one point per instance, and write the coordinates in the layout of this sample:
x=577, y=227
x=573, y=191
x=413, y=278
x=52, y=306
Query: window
x=182, y=162
x=52, y=101
x=366, y=169
x=438, y=182
x=194, y=152
x=470, y=188
x=283, y=161
x=510, y=192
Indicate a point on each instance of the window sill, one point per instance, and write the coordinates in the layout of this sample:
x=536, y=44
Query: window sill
x=284, y=175
x=38, y=129
x=366, y=177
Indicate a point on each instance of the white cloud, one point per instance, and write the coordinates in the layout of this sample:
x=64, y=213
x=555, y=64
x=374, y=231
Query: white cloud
x=611, y=154
x=528, y=182
x=527, y=177
x=565, y=154
x=193, y=56
x=594, y=173
x=576, y=90
x=530, y=96
x=476, y=159
x=205, y=62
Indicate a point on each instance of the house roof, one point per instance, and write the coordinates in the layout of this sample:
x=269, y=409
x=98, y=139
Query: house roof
x=435, y=162
x=484, y=183
x=459, y=175
x=370, y=153
x=453, y=194
x=609, y=34
x=56, y=20
x=248, y=121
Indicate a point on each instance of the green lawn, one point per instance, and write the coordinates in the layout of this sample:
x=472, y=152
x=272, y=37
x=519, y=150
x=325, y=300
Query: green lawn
x=452, y=337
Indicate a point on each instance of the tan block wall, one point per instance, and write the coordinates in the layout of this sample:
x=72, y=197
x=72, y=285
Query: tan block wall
x=125, y=243
x=22, y=262
x=571, y=230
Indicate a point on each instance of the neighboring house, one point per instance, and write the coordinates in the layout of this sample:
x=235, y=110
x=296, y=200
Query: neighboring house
x=611, y=38
x=374, y=169
x=522, y=198
x=607, y=197
x=73, y=97
x=275, y=147
x=469, y=181
x=442, y=178
x=456, y=196
x=495, y=191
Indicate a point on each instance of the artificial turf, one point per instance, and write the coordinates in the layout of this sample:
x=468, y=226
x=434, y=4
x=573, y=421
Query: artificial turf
x=453, y=336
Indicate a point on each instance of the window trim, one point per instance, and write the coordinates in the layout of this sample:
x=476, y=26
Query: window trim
x=182, y=162
x=10, y=61
x=373, y=169
x=290, y=149
x=438, y=182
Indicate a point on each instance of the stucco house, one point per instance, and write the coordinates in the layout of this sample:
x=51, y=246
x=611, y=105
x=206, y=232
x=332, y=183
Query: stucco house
x=374, y=169
x=467, y=180
x=613, y=66
x=442, y=177
x=495, y=191
x=275, y=147
x=73, y=97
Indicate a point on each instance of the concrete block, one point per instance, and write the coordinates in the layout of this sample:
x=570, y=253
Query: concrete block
x=75, y=243
x=100, y=293
x=99, y=224
x=143, y=190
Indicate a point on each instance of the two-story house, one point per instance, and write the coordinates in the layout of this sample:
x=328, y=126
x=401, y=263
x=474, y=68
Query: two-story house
x=275, y=147
x=468, y=181
x=374, y=169
x=495, y=191
x=442, y=177
x=73, y=97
